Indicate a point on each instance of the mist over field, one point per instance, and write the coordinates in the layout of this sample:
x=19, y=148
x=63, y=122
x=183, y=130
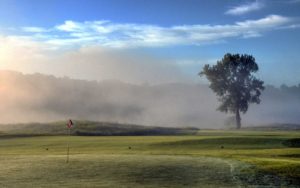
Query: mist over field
x=41, y=98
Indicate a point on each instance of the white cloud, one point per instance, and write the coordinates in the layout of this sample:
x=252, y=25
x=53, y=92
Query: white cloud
x=267, y=22
x=34, y=29
x=251, y=34
x=245, y=8
x=69, y=26
x=104, y=33
x=293, y=26
x=72, y=26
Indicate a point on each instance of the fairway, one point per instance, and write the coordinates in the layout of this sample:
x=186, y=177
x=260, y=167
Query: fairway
x=208, y=159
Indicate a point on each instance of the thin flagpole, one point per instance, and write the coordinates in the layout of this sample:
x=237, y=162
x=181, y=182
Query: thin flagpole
x=68, y=151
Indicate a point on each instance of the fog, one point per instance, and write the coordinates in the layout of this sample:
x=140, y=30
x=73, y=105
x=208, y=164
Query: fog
x=89, y=63
x=42, y=98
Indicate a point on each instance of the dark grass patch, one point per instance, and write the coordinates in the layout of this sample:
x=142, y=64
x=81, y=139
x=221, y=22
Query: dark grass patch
x=189, y=174
x=291, y=155
x=293, y=143
x=256, y=178
x=227, y=143
x=252, y=176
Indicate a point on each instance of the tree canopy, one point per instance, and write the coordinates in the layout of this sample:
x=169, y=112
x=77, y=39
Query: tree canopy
x=234, y=82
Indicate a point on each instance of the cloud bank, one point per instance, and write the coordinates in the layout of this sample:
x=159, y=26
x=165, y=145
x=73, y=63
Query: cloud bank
x=88, y=63
x=106, y=33
x=101, y=50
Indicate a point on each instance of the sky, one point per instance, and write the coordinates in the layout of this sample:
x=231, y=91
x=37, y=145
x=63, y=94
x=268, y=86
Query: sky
x=139, y=41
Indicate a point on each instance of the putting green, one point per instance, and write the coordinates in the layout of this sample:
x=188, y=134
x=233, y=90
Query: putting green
x=233, y=160
x=115, y=171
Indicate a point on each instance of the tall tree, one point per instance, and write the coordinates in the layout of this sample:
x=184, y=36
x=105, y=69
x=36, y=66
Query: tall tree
x=234, y=82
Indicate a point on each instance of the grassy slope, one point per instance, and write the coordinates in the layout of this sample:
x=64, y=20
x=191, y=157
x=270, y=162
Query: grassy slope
x=92, y=128
x=210, y=159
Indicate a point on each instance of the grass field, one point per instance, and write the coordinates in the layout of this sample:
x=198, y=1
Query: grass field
x=208, y=159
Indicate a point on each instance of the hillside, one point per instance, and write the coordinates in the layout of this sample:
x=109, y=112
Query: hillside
x=91, y=128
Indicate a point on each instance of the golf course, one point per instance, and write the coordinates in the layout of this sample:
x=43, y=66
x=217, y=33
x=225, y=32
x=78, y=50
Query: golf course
x=203, y=158
x=150, y=94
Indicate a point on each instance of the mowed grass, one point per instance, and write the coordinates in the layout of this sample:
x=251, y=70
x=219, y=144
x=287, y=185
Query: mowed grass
x=209, y=159
x=114, y=171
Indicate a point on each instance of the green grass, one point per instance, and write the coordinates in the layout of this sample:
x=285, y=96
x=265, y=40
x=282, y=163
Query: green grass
x=114, y=171
x=208, y=159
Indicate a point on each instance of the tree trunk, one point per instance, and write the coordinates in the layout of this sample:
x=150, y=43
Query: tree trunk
x=238, y=118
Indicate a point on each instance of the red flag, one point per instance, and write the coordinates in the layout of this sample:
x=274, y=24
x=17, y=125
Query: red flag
x=70, y=124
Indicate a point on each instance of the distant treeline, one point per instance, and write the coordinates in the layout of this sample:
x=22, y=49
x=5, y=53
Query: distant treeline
x=284, y=90
x=44, y=98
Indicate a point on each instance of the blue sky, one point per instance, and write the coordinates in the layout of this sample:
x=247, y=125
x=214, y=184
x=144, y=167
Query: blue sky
x=178, y=36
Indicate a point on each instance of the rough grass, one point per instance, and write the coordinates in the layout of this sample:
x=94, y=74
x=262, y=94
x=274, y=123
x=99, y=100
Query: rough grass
x=209, y=159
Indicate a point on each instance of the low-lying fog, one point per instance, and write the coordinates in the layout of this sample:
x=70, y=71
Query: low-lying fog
x=40, y=98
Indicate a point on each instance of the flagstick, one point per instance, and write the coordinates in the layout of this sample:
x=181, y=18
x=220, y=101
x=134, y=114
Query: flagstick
x=68, y=151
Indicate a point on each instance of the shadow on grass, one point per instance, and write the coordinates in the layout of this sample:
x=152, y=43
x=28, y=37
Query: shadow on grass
x=227, y=143
x=250, y=176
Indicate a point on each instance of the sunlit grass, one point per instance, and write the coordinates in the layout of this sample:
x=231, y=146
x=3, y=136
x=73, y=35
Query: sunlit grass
x=150, y=161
